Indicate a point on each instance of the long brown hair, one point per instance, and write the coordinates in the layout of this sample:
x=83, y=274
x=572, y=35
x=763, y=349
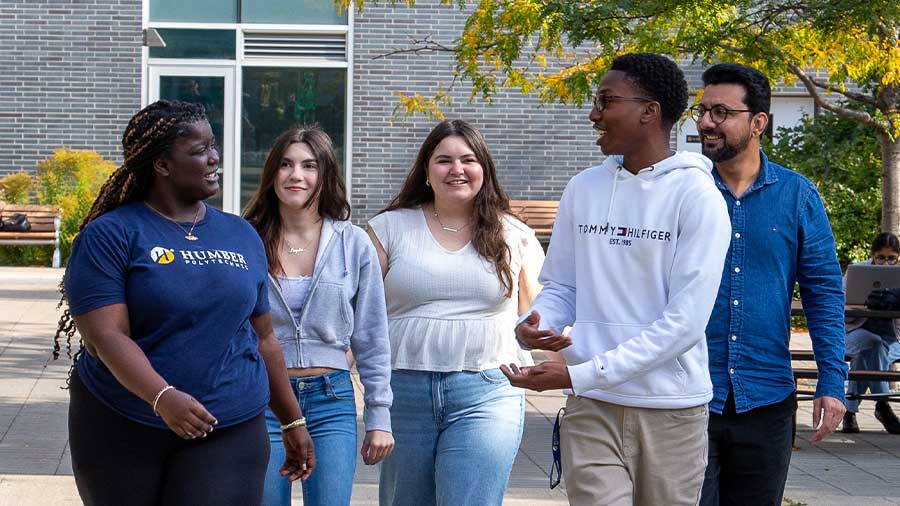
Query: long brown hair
x=150, y=134
x=330, y=194
x=491, y=202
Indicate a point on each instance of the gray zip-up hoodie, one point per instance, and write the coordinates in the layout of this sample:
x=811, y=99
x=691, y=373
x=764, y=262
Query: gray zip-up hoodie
x=344, y=309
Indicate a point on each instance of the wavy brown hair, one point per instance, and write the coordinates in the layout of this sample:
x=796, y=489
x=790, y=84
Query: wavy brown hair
x=329, y=195
x=150, y=134
x=491, y=202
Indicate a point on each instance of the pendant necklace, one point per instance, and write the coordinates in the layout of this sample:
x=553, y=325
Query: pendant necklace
x=445, y=227
x=188, y=234
x=296, y=251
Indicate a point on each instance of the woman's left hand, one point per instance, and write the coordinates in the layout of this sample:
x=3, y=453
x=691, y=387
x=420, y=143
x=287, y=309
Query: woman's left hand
x=300, y=458
x=377, y=445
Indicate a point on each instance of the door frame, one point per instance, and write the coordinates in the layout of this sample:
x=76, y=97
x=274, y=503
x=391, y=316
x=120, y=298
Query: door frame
x=231, y=171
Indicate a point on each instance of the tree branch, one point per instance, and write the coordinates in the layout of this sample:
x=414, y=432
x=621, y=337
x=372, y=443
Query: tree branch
x=426, y=45
x=852, y=95
x=860, y=116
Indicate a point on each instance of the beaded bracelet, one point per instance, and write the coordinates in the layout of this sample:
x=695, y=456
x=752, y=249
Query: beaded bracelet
x=300, y=422
x=158, y=395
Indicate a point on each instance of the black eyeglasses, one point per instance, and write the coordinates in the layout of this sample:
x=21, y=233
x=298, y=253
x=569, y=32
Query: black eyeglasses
x=602, y=100
x=556, y=467
x=882, y=260
x=717, y=113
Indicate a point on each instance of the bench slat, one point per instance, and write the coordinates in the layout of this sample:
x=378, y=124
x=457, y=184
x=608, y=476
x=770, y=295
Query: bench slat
x=27, y=235
x=810, y=373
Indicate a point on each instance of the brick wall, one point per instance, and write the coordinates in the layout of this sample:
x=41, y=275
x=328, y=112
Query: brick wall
x=69, y=76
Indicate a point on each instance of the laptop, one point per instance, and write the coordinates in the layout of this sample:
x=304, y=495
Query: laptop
x=863, y=278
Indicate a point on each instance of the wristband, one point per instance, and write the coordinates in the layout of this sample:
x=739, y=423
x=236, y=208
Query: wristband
x=300, y=422
x=158, y=396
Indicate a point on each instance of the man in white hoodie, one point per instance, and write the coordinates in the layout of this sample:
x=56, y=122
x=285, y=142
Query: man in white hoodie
x=633, y=267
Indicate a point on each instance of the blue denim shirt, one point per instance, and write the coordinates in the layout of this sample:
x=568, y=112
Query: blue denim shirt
x=780, y=235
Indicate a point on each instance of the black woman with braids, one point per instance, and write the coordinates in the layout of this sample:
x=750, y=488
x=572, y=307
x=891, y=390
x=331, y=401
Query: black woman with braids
x=170, y=297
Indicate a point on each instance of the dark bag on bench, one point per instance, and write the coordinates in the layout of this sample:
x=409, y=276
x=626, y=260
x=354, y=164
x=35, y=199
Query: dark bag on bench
x=15, y=223
x=884, y=300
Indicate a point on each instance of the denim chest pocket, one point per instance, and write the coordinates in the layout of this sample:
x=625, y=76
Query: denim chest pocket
x=327, y=314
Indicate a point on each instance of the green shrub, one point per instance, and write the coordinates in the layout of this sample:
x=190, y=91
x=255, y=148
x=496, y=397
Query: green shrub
x=71, y=180
x=16, y=188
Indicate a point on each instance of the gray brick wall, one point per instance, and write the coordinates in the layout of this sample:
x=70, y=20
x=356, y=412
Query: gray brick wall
x=537, y=149
x=70, y=75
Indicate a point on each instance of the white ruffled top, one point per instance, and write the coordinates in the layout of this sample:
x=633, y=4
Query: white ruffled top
x=447, y=310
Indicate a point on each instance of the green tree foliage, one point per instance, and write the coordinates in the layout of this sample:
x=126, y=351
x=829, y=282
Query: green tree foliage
x=559, y=49
x=842, y=158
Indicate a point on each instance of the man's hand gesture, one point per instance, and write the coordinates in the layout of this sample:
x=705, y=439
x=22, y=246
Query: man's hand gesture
x=529, y=334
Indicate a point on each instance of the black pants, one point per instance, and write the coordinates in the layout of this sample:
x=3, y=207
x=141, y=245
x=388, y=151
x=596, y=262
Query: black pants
x=117, y=461
x=749, y=455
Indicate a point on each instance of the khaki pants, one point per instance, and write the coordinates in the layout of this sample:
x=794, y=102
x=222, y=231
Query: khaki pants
x=615, y=455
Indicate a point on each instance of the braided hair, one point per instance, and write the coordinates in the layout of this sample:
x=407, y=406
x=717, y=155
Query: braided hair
x=150, y=133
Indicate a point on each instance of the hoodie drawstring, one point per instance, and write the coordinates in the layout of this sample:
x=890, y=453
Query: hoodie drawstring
x=612, y=196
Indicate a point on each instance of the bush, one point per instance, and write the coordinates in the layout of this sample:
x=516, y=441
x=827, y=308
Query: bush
x=843, y=159
x=16, y=188
x=71, y=180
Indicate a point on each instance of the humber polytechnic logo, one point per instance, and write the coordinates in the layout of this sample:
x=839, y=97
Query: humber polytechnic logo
x=162, y=255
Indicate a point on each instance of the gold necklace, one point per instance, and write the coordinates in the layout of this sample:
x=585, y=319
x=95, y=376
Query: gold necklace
x=445, y=227
x=188, y=234
x=296, y=251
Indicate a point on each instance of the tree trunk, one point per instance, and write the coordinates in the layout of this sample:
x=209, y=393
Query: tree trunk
x=890, y=184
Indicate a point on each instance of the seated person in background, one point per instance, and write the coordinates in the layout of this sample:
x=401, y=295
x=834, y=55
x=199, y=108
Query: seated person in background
x=869, y=342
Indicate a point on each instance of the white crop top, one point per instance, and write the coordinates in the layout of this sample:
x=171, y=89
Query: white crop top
x=446, y=309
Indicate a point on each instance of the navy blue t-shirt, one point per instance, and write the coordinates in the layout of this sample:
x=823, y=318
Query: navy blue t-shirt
x=189, y=304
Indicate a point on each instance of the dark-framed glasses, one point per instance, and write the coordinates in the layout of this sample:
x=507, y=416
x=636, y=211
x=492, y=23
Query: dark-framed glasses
x=717, y=113
x=602, y=100
x=885, y=260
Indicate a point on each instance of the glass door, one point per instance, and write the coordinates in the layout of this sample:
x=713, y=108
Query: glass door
x=213, y=87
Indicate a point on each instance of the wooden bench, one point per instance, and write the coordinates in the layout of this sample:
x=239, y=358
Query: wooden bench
x=44, y=227
x=537, y=214
x=813, y=374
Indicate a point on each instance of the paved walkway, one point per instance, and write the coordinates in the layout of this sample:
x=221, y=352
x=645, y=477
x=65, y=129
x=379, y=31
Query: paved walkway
x=857, y=470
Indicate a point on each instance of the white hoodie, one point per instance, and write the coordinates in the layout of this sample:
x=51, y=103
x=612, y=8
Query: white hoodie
x=634, y=266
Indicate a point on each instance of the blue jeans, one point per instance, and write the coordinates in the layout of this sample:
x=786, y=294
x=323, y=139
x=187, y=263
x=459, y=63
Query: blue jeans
x=327, y=404
x=869, y=352
x=456, y=436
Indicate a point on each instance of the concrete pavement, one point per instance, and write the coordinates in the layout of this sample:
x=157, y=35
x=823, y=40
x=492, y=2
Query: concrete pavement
x=35, y=469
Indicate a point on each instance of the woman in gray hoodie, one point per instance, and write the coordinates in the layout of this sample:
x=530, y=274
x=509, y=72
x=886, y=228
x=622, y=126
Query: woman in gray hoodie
x=327, y=298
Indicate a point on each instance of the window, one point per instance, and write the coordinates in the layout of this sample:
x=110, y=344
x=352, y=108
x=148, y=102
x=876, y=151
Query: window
x=278, y=98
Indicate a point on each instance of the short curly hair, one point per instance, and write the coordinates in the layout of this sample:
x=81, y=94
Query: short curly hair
x=758, y=96
x=660, y=79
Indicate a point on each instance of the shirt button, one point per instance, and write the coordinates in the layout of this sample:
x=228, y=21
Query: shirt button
x=736, y=302
x=730, y=371
x=737, y=202
x=737, y=269
x=734, y=338
x=737, y=235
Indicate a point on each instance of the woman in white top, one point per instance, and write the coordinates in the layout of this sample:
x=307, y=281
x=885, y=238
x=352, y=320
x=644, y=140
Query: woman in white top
x=458, y=270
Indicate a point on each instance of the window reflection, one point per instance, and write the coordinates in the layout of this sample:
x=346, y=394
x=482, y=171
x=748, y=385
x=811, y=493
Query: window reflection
x=277, y=98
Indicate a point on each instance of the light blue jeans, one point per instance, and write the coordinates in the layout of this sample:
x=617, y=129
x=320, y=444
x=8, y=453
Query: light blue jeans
x=868, y=352
x=327, y=404
x=456, y=436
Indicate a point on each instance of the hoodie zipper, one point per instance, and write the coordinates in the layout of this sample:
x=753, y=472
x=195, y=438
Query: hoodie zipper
x=316, y=271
